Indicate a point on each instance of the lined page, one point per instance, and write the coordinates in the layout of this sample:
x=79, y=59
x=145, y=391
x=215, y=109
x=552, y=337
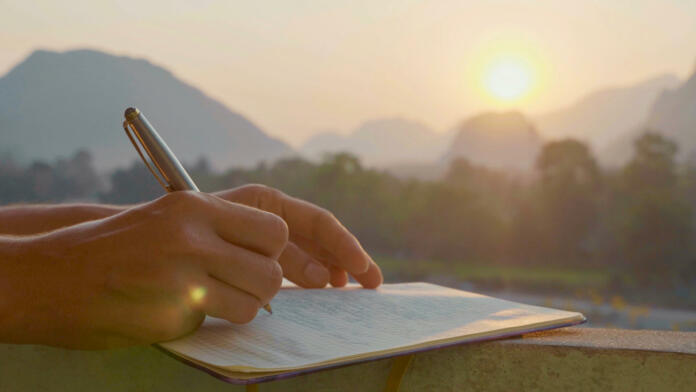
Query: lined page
x=311, y=327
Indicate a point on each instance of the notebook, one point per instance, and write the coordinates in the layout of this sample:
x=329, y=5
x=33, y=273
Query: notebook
x=311, y=330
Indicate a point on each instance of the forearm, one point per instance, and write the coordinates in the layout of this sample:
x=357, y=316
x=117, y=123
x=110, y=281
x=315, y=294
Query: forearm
x=32, y=219
x=11, y=296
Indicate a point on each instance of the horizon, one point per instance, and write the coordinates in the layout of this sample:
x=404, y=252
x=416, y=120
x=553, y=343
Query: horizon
x=424, y=64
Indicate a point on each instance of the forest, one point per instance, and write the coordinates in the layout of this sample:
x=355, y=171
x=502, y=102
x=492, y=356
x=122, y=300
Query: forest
x=633, y=225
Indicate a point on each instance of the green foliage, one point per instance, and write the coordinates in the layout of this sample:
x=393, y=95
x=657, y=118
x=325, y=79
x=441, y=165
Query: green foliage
x=65, y=179
x=653, y=165
x=133, y=185
x=570, y=190
x=539, y=276
x=635, y=223
x=654, y=218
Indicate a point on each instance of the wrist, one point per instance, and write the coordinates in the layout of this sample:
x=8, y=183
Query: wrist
x=34, y=219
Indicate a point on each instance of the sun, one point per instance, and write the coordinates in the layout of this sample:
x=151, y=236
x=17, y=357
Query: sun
x=508, y=73
x=508, y=78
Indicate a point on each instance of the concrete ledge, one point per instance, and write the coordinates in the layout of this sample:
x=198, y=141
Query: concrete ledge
x=571, y=359
x=613, y=339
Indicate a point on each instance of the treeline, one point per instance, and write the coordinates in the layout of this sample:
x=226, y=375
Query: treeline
x=40, y=182
x=637, y=221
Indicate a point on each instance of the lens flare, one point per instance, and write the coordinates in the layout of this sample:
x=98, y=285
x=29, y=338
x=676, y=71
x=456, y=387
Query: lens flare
x=197, y=294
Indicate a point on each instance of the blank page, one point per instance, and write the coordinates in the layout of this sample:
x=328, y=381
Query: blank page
x=324, y=326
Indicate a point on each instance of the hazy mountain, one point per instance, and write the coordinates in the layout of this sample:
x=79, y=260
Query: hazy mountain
x=673, y=114
x=382, y=142
x=498, y=140
x=600, y=117
x=53, y=103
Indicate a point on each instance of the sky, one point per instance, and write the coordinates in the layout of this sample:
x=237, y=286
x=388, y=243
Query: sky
x=299, y=67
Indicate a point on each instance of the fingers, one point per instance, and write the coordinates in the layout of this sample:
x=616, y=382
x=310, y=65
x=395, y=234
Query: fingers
x=255, y=274
x=235, y=244
x=303, y=269
x=251, y=228
x=339, y=278
x=312, y=222
x=372, y=278
x=322, y=227
x=313, y=249
x=319, y=236
x=221, y=300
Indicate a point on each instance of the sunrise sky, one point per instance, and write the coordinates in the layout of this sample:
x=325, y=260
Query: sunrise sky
x=298, y=67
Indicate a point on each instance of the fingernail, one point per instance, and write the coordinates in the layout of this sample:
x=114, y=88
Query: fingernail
x=315, y=274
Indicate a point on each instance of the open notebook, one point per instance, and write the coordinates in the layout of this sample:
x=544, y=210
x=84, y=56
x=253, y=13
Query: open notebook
x=316, y=329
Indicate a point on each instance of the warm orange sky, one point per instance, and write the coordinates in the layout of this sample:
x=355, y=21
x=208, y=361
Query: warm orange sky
x=297, y=67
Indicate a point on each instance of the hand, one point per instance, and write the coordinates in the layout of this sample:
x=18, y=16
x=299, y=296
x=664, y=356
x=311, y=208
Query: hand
x=320, y=248
x=147, y=274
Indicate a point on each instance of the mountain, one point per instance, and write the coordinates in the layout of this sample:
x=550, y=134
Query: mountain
x=673, y=114
x=382, y=143
x=52, y=104
x=600, y=117
x=505, y=140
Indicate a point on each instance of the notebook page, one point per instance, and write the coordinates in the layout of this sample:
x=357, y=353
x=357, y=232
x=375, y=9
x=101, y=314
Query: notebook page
x=310, y=327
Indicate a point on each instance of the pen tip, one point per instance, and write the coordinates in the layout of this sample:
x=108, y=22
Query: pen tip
x=267, y=308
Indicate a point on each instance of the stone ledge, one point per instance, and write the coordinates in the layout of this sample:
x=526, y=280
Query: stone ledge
x=613, y=339
x=571, y=359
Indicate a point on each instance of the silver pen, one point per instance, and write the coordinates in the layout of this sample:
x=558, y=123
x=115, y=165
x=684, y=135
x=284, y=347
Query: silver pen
x=166, y=168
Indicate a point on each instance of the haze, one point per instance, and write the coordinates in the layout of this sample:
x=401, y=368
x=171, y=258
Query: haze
x=299, y=67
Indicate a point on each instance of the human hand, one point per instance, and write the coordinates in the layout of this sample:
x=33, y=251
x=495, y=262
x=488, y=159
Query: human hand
x=320, y=248
x=147, y=274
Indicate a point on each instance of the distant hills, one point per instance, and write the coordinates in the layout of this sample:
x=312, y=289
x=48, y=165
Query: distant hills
x=603, y=119
x=383, y=142
x=53, y=103
x=674, y=114
x=505, y=140
x=600, y=117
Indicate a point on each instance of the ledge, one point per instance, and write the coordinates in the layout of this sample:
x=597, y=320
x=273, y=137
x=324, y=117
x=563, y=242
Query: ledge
x=613, y=339
x=569, y=359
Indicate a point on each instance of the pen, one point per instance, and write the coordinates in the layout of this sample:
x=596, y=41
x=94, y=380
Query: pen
x=172, y=175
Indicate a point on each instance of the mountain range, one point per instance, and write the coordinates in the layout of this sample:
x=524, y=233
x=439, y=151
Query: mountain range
x=672, y=114
x=600, y=117
x=607, y=120
x=383, y=142
x=52, y=104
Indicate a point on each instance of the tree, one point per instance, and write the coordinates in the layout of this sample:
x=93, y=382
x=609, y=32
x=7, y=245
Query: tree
x=653, y=164
x=569, y=188
x=133, y=185
x=77, y=178
x=655, y=222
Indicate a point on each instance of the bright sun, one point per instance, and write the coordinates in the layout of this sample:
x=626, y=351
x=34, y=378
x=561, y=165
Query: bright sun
x=508, y=78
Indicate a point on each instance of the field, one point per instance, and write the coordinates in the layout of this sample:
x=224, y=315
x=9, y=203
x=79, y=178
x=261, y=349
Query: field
x=534, y=278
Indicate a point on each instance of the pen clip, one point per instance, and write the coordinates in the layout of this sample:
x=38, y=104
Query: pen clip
x=159, y=174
